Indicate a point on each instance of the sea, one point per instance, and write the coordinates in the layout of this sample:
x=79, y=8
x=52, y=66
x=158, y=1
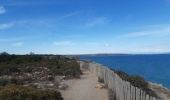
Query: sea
x=153, y=67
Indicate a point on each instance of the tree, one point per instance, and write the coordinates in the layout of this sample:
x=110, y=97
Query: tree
x=4, y=53
x=31, y=53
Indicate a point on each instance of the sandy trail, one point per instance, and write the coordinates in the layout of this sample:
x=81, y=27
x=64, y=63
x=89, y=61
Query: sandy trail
x=84, y=89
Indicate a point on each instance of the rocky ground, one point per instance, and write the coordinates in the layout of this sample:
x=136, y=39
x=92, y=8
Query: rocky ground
x=162, y=92
x=39, y=77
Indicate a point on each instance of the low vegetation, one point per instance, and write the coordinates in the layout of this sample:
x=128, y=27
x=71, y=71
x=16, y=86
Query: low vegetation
x=112, y=95
x=35, y=77
x=136, y=81
x=57, y=65
x=16, y=92
x=70, y=68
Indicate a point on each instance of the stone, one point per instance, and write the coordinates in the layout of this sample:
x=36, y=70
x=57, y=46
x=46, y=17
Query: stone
x=63, y=86
x=100, y=86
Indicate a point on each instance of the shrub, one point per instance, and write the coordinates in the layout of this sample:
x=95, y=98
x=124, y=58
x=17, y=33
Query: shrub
x=70, y=69
x=58, y=65
x=3, y=82
x=112, y=95
x=136, y=81
x=8, y=69
x=101, y=80
x=16, y=92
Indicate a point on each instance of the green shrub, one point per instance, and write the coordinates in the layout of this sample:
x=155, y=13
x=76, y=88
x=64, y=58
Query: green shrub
x=58, y=65
x=101, y=80
x=112, y=95
x=4, y=82
x=136, y=81
x=15, y=92
x=8, y=69
x=67, y=68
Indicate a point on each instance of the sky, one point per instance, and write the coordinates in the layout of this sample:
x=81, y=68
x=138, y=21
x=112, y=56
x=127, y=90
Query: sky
x=84, y=26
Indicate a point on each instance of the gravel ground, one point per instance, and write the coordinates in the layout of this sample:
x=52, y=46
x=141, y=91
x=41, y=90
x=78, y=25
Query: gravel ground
x=84, y=89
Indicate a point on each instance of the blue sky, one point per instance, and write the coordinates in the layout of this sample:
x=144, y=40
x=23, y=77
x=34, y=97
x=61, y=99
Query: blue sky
x=84, y=26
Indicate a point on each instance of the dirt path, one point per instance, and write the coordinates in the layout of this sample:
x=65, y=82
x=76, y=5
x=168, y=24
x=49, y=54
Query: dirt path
x=84, y=89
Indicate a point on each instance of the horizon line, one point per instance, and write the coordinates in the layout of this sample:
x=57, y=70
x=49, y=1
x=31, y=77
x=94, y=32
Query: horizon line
x=143, y=53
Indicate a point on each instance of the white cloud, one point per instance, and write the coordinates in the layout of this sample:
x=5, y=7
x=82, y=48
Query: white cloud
x=67, y=15
x=11, y=39
x=64, y=43
x=17, y=44
x=2, y=10
x=150, y=50
x=38, y=24
x=154, y=32
x=96, y=21
x=91, y=44
x=30, y=2
x=96, y=44
x=6, y=26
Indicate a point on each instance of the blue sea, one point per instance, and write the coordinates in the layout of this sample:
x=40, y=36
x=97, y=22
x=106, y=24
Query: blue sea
x=154, y=68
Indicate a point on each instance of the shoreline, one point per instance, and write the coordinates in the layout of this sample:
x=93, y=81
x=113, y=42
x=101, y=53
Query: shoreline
x=162, y=91
x=159, y=85
x=153, y=83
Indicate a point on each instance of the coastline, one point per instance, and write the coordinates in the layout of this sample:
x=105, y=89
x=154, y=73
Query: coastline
x=160, y=90
x=152, y=67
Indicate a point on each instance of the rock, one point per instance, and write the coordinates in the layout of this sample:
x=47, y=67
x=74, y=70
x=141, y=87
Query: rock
x=28, y=74
x=50, y=85
x=58, y=79
x=100, y=86
x=63, y=86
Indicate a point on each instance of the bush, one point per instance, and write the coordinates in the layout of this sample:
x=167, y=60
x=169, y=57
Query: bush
x=101, y=80
x=136, y=81
x=112, y=95
x=4, y=82
x=8, y=69
x=58, y=65
x=16, y=92
x=71, y=69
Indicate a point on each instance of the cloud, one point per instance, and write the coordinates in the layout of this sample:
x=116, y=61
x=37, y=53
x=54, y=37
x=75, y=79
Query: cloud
x=91, y=44
x=39, y=24
x=31, y=2
x=96, y=22
x=150, y=50
x=96, y=44
x=10, y=39
x=153, y=32
x=64, y=43
x=2, y=10
x=6, y=26
x=67, y=15
x=17, y=44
